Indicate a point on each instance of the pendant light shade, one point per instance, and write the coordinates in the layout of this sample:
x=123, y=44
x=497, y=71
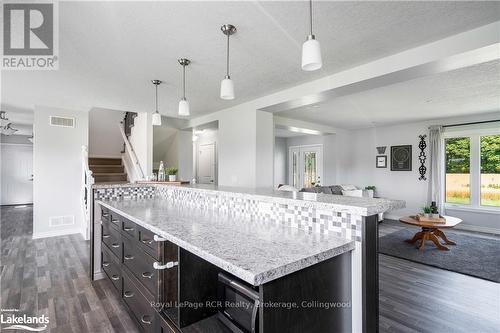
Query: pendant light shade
x=311, y=49
x=227, y=85
x=183, y=103
x=156, y=121
x=311, y=54
x=227, y=88
x=184, y=108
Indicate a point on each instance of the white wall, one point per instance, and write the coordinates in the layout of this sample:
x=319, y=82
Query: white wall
x=141, y=139
x=280, y=161
x=404, y=185
x=105, y=139
x=57, y=171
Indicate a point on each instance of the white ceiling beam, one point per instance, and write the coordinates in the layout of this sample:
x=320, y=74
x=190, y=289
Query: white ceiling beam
x=462, y=50
x=299, y=126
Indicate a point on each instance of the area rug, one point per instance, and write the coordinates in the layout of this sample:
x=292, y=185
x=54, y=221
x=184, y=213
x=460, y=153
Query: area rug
x=473, y=255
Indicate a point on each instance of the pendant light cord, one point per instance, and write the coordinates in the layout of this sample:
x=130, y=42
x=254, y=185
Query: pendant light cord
x=183, y=81
x=311, y=16
x=156, y=85
x=227, y=57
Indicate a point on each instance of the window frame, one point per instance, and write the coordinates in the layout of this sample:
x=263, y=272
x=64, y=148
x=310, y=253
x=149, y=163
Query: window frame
x=474, y=135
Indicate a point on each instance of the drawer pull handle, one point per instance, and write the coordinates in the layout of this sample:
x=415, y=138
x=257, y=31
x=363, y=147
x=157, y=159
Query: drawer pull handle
x=146, y=319
x=168, y=265
x=128, y=294
x=115, y=277
x=128, y=229
x=105, y=215
x=158, y=238
x=105, y=236
x=128, y=257
x=115, y=245
x=148, y=275
x=147, y=241
x=115, y=221
x=105, y=264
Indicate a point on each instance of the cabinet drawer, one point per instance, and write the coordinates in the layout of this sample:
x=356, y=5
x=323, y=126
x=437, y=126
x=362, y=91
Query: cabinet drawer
x=111, y=267
x=115, y=220
x=141, y=265
x=105, y=215
x=138, y=304
x=146, y=239
x=111, y=237
x=129, y=228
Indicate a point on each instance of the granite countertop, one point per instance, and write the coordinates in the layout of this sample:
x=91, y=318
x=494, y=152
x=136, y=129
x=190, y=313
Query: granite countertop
x=352, y=205
x=256, y=251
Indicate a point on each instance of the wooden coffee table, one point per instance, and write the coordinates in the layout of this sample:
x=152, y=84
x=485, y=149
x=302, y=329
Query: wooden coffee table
x=431, y=231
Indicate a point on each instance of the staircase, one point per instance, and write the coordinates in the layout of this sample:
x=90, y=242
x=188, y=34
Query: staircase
x=107, y=170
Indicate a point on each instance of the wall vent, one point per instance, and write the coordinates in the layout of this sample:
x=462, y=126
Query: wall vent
x=62, y=121
x=57, y=221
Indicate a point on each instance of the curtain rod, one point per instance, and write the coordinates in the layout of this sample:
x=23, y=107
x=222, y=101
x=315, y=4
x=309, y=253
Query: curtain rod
x=473, y=123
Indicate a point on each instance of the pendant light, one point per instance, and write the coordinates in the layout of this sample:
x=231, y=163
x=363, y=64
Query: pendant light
x=156, y=115
x=183, y=103
x=311, y=50
x=227, y=85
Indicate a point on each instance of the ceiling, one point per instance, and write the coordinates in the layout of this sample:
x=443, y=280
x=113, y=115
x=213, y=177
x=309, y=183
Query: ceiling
x=466, y=91
x=109, y=51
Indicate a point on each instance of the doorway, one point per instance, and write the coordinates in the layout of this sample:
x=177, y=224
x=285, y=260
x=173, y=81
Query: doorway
x=206, y=166
x=305, y=165
x=16, y=174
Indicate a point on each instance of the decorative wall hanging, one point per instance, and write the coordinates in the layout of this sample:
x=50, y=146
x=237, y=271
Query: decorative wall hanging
x=381, y=150
x=401, y=158
x=421, y=157
x=381, y=161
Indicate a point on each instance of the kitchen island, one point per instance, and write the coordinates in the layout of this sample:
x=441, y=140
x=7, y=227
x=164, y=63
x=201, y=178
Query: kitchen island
x=312, y=256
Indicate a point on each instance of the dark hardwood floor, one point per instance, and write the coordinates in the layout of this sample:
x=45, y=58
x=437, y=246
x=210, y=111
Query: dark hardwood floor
x=421, y=298
x=49, y=276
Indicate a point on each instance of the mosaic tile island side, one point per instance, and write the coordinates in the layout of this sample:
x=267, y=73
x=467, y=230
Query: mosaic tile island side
x=338, y=203
x=256, y=251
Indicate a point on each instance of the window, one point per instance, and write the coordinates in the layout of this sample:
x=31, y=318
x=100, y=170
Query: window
x=457, y=184
x=472, y=167
x=490, y=170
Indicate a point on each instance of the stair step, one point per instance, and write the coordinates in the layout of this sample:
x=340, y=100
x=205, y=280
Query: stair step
x=109, y=177
x=105, y=161
x=107, y=168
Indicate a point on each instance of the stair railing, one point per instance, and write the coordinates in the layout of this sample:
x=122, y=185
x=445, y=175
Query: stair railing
x=129, y=150
x=86, y=192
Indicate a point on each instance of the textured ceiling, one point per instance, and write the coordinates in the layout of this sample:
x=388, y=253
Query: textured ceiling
x=466, y=91
x=109, y=51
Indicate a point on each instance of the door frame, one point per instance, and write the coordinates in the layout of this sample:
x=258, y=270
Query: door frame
x=301, y=148
x=216, y=162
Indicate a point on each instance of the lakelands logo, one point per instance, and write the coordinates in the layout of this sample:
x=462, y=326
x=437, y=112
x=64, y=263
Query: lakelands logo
x=24, y=322
x=30, y=36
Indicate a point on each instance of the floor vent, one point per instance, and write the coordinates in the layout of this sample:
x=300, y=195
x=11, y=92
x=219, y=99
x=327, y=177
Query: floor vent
x=57, y=221
x=62, y=121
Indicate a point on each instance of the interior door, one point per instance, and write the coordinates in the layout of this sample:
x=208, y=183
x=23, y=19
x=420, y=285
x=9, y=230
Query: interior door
x=306, y=165
x=206, y=163
x=16, y=174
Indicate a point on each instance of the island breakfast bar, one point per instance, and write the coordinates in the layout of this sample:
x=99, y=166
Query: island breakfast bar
x=201, y=244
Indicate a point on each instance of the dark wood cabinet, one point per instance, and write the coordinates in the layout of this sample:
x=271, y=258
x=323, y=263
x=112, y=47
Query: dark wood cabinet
x=129, y=254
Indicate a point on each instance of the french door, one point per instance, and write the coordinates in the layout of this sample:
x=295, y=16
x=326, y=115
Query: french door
x=305, y=165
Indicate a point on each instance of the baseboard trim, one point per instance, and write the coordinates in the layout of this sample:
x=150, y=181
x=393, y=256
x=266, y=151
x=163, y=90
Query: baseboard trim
x=470, y=227
x=56, y=233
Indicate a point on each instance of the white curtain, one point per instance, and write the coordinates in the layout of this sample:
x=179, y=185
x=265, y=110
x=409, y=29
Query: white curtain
x=436, y=164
